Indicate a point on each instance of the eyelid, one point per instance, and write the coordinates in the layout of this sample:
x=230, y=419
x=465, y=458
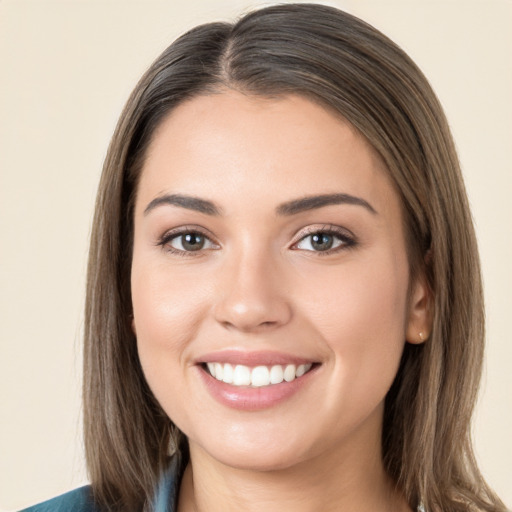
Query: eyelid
x=348, y=238
x=173, y=233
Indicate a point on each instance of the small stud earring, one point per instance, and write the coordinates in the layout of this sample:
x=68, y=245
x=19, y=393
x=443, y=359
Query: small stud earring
x=422, y=339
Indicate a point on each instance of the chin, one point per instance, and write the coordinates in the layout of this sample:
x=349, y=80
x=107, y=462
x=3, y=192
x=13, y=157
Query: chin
x=255, y=452
x=257, y=460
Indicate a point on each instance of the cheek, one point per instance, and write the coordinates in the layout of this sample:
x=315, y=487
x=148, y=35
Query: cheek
x=167, y=315
x=367, y=297
x=360, y=312
x=168, y=311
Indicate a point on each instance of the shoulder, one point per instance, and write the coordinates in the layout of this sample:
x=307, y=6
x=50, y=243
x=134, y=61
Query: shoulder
x=78, y=500
x=81, y=499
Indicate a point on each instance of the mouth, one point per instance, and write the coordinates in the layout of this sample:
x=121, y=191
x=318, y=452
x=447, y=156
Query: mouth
x=255, y=380
x=240, y=375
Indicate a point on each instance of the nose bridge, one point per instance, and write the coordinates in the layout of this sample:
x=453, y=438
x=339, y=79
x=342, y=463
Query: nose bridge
x=251, y=295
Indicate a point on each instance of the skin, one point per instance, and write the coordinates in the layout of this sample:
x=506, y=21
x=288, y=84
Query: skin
x=258, y=284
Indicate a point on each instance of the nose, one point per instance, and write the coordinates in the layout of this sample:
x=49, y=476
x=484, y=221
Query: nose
x=252, y=295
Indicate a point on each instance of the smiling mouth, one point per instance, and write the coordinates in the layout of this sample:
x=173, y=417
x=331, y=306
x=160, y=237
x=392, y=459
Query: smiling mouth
x=259, y=376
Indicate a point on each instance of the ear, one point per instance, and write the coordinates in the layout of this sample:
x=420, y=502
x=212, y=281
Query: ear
x=419, y=322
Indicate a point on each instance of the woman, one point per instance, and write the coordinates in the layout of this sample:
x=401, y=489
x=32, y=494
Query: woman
x=284, y=305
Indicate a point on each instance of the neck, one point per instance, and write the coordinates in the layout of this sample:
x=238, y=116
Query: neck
x=350, y=479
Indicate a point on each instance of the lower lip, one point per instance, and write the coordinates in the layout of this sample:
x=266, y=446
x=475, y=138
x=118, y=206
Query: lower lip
x=254, y=399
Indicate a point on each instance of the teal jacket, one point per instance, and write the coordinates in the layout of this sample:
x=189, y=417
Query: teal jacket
x=81, y=499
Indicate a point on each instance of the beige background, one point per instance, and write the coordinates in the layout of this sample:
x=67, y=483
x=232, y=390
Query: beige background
x=67, y=67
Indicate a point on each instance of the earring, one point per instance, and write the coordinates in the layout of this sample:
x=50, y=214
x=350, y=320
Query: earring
x=421, y=336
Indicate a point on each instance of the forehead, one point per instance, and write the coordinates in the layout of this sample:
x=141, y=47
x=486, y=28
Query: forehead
x=230, y=146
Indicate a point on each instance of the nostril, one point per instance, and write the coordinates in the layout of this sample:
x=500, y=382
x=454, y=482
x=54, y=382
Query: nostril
x=245, y=326
x=249, y=308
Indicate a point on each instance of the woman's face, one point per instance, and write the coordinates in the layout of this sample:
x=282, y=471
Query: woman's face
x=269, y=247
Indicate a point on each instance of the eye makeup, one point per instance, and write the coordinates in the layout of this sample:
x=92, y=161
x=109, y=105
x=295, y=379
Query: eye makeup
x=187, y=241
x=323, y=240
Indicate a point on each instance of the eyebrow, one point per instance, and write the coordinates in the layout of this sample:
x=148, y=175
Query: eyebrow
x=286, y=209
x=183, y=201
x=319, y=201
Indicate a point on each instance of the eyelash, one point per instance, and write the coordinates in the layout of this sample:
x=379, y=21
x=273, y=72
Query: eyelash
x=347, y=240
x=169, y=236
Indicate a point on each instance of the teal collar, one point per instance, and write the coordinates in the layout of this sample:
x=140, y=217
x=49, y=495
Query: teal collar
x=166, y=496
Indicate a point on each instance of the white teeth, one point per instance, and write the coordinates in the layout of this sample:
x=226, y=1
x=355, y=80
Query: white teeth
x=258, y=376
x=276, y=374
x=307, y=367
x=227, y=376
x=301, y=370
x=289, y=372
x=241, y=375
x=219, y=371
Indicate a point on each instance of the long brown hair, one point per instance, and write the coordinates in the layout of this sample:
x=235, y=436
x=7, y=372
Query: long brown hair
x=351, y=69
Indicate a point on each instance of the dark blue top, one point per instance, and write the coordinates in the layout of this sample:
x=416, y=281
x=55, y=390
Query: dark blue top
x=81, y=499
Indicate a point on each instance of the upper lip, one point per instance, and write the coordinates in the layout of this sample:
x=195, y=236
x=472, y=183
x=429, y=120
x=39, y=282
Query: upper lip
x=252, y=358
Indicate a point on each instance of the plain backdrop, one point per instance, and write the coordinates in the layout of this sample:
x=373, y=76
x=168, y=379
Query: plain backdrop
x=66, y=69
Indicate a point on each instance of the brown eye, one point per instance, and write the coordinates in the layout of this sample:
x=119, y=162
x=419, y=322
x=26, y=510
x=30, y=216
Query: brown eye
x=192, y=241
x=189, y=242
x=324, y=241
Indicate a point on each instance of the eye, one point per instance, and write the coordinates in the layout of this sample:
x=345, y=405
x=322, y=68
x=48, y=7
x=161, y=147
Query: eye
x=186, y=242
x=325, y=241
